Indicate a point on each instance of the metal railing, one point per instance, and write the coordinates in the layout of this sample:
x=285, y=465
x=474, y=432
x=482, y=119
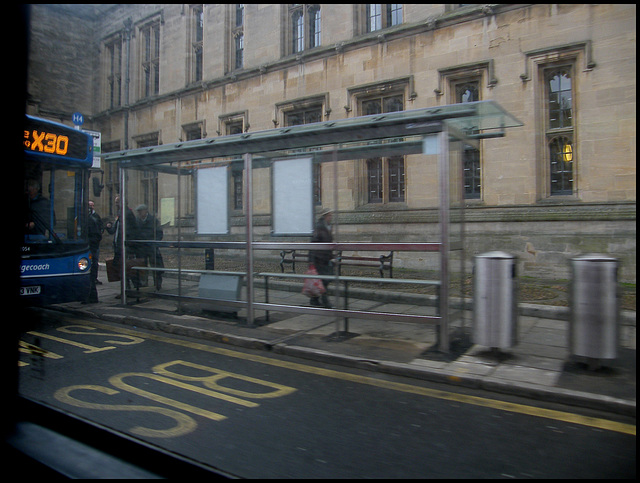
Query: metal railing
x=345, y=312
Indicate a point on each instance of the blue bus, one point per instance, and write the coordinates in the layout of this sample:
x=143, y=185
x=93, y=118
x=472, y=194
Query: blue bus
x=55, y=258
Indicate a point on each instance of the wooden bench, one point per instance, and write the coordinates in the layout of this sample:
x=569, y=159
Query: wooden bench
x=382, y=262
x=289, y=257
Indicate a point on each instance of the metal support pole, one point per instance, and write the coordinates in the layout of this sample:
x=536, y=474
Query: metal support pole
x=179, y=248
x=266, y=295
x=123, y=234
x=443, y=178
x=462, y=231
x=249, y=229
x=346, y=305
x=334, y=228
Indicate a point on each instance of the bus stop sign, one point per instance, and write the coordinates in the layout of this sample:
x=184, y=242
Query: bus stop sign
x=77, y=119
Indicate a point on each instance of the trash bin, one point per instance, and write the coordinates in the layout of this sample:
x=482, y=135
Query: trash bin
x=594, y=328
x=495, y=306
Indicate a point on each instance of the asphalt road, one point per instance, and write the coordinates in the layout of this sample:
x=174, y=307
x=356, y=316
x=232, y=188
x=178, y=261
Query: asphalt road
x=260, y=415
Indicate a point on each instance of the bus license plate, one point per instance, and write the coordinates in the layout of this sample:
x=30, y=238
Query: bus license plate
x=34, y=290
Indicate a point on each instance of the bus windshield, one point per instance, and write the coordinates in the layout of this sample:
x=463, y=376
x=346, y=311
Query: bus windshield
x=55, y=210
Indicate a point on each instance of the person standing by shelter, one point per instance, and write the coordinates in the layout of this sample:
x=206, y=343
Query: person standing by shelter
x=149, y=228
x=321, y=259
x=116, y=228
x=95, y=229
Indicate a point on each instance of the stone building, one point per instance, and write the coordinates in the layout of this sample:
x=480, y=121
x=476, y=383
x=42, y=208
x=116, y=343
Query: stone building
x=564, y=184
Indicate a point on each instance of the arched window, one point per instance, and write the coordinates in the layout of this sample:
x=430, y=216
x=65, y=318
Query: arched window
x=560, y=99
x=297, y=30
x=150, y=56
x=305, y=25
x=469, y=92
x=385, y=176
x=197, y=35
x=314, y=26
x=382, y=15
x=236, y=37
x=560, y=130
x=239, y=50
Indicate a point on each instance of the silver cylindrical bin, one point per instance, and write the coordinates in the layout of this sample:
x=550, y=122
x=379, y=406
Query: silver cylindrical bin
x=594, y=329
x=495, y=306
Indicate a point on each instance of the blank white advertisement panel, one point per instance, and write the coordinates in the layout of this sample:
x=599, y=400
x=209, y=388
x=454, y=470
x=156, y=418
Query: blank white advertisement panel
x=212, y=201
x=292, y=197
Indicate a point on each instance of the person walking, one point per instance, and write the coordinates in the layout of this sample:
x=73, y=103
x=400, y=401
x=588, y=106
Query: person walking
x=321, y=259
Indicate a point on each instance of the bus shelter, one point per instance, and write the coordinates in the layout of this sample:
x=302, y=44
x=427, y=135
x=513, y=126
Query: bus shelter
x=285, y=163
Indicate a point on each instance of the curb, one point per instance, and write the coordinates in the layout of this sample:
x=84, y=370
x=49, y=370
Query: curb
x=491, y=384
x=528, y=390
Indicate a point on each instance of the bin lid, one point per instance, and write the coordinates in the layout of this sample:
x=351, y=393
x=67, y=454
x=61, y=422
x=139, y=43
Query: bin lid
x=496, y=254
x=595, y=257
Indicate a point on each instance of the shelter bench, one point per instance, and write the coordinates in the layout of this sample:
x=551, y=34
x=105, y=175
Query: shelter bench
x=382, y=262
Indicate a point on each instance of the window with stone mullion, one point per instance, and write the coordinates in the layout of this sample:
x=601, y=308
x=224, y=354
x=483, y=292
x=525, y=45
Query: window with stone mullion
x=560, y=130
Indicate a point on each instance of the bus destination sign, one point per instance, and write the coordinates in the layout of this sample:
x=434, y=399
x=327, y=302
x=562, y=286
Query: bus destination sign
x=56, y=139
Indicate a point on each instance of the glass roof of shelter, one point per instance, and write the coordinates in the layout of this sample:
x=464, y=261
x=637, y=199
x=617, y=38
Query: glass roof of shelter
x=475, y=119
